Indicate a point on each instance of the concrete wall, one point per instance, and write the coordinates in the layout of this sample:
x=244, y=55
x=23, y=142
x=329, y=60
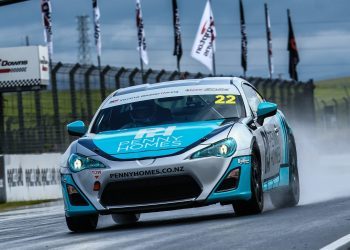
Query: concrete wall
x=31, y=177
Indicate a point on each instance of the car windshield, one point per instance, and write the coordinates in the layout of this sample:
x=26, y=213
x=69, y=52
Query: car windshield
x=179, y=109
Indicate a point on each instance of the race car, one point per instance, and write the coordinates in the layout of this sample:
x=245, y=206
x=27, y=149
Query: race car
x=179, y=144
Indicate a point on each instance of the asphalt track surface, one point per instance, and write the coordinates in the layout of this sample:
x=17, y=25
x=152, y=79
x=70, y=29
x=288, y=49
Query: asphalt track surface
x=215, y=227
x=322, y=217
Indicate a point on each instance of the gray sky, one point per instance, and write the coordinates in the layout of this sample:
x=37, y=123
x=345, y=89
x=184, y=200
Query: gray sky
x=322, y=29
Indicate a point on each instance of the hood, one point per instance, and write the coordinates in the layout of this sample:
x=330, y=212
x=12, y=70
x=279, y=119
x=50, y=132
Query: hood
x=152, y=141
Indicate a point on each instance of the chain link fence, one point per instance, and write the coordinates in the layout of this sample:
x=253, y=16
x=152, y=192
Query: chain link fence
x=34, y=122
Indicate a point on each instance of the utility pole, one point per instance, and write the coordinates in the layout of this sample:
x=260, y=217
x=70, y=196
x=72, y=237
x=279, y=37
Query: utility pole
x=84, y=53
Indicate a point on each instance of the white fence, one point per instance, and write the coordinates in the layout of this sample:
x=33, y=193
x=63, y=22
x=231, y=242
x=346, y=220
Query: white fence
x=32, y=177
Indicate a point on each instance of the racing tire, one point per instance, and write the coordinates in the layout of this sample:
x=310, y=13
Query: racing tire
x=126, y=219
x=83, y=223
x=256, y=203
x=288, y=196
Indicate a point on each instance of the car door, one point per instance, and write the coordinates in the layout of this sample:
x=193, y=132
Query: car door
x=267, y=134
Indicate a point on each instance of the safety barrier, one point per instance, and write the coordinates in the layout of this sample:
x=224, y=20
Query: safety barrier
x=29, y=177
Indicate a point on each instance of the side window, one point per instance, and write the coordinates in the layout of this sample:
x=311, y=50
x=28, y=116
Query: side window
x=253, y=97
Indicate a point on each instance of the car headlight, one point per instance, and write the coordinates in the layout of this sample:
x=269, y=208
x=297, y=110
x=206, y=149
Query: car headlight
x=77, y=163
x=224, y=148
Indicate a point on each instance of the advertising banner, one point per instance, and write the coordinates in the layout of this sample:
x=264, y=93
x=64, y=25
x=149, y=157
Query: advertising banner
x=32, y=177
x=23, y=68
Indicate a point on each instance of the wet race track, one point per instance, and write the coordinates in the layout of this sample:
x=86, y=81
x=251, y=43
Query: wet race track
x=304, y=227
x=322, y=217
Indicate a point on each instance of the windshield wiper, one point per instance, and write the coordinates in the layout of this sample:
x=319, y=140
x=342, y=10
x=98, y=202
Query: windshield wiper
x=230, y=119
x=210, y=106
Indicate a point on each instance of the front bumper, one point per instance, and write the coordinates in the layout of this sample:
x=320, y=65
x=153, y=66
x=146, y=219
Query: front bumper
x=207, y=173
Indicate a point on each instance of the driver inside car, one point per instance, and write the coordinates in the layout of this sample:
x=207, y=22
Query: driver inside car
x=148, y=113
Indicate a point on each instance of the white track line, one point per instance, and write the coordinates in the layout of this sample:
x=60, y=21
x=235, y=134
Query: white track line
x=342, y=243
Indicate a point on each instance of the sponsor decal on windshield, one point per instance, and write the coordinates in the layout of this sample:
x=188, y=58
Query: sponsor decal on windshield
x=225, y=99
x=169, y=92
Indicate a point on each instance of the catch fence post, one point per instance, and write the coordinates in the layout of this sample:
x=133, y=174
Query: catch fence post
x=73, y=95
x=273, y=85
x=298, y=101
x=310, y=100
x=147, y=74
x=173, y=75
x=324, y=116
x=281, y=88
x=23, y=137
x=102, y=85
x=39, y=128
x=336, y=111
x=290, y=100
x=56, y=111
x=198, y=76
x=160, y=74
x=347, y=110
x=257, y=84
x=104, y=73
x=185, y=75
x=117, y=77
x=265, y=87
x=88, y=91
x=132, y=75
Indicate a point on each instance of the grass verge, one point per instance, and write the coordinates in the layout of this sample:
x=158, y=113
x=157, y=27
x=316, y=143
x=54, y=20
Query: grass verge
x=18, y=204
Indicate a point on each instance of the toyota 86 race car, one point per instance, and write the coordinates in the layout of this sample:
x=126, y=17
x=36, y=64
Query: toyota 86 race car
x=179, y=144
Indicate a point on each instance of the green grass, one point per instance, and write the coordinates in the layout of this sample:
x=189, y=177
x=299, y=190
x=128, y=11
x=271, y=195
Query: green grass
x=337, y=89
x=18, y=204
x=325, y=90
x=64, y=100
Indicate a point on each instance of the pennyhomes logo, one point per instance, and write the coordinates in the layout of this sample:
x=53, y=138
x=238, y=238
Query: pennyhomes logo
x=151, y=139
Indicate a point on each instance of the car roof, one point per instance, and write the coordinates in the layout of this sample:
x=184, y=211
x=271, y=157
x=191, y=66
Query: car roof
x=222, y=81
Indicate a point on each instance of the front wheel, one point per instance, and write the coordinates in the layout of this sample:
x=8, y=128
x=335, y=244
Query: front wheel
x=288, y=196
x=256, y=203
x=126, y=219
x=83, y=223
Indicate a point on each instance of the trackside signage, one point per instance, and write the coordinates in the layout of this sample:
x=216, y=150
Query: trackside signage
x=31, y=177
x=23, y=68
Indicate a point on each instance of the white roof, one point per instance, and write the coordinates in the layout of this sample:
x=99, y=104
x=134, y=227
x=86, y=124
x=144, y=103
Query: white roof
x=205, y=86
x=178, y=83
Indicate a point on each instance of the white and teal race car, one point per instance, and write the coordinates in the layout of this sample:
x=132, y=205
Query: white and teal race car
x=176, y=145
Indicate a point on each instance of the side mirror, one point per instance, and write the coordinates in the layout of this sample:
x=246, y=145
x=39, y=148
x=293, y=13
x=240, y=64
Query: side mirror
x=76, y=128
x=266, y=109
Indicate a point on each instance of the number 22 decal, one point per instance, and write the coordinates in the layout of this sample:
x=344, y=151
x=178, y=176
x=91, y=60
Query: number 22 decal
x=225, y=99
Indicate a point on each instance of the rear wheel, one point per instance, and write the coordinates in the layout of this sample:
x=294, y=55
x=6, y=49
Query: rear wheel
x=83, y=223
x=256, y=203
x=126, y=219
x=288, y=196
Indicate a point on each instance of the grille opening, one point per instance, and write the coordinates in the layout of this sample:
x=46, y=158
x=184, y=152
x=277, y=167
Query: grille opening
x=150, y=190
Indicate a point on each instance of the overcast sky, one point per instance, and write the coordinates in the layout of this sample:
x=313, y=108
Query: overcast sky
x=322, y=29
